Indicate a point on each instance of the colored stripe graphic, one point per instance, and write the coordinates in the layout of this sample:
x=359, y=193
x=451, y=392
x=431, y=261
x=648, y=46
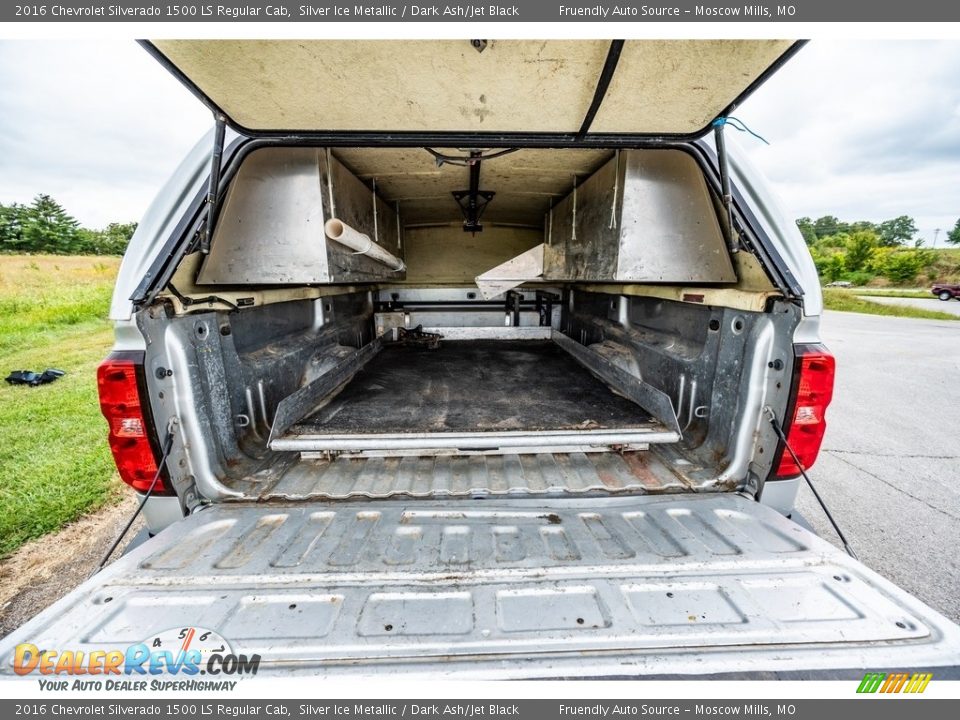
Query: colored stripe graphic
x=899, y=682
x=871, y=682
x=919, y=682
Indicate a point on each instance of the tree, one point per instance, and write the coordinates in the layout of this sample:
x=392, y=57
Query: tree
x=11, y=227
x=898, y=265
x=953, y=237
x=112, y=240
x=45, y=227
x=115, y=237
x=863, y=225
x=830, y=264
x=48, y=228
x=805, y=225
x=828, y=225
x=897, y=231
x=859, y=247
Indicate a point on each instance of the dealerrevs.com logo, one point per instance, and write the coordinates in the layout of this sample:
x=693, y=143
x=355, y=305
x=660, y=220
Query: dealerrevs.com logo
x=171, y=660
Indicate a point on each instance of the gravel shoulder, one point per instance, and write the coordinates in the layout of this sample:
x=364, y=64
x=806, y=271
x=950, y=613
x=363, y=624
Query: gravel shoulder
x=44, y=570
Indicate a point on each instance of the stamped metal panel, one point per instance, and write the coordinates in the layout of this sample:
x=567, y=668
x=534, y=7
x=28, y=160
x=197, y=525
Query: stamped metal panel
x=534, y=472
x=645, y=216
x=270, y=229
x=505, y=589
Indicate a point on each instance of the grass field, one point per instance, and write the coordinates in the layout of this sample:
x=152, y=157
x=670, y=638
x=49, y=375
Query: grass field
x=922, y=294
x=54, y=461
x=847, y=301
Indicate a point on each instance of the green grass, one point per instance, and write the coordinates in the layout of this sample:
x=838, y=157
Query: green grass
x=54, y=461
x=883, y=292
x=846, y=301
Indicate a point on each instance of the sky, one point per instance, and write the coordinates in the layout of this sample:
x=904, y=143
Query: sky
x=864, y=130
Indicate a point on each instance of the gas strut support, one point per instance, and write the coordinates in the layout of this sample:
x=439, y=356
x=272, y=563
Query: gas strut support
x=213, y=188
x=733, y=241
x=474, y=201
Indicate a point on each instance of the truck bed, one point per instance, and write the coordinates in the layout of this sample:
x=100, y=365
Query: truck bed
x=506, y=588
x=473, y=386
x=477, y=395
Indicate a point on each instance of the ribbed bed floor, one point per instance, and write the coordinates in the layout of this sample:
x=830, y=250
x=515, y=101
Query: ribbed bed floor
x=470, y=476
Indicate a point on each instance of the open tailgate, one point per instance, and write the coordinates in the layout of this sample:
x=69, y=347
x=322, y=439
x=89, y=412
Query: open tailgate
x=524, y=588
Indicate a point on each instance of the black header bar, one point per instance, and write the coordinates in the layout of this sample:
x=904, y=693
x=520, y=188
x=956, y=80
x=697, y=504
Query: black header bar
x=577, y=11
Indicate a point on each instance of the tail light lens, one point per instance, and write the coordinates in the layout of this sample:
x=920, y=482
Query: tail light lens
x=122, y=386
x=812, y=390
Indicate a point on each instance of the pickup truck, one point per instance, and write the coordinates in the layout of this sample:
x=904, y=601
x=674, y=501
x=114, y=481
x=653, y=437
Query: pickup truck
x=946, y=291
x=472, y=360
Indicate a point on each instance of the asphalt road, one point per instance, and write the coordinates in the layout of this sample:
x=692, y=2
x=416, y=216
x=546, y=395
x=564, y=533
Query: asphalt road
x=890, y=466
x=950, y=306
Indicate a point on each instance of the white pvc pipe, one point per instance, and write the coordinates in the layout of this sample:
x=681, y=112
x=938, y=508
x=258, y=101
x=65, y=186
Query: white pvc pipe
x=340, y=232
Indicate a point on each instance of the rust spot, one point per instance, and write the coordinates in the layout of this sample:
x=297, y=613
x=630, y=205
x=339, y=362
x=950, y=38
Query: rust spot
x=608, y=478
x=552, y=518
x=638, y=462
x=693, y=297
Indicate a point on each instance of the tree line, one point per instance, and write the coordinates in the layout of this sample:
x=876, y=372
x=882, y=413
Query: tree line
x=861, y=251
x=44, y=226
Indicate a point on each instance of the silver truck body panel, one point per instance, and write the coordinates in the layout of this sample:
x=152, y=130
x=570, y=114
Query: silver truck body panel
x=781, y=230
x=158, y=224
x=571, y=587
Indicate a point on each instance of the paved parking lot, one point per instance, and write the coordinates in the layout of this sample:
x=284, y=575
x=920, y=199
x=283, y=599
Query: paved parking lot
x=890, y=469
x=950, y=306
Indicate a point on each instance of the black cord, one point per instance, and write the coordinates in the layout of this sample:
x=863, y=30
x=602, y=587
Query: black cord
x=783, y=438
x=467, y=160
x=187, y=302
x=167, y=446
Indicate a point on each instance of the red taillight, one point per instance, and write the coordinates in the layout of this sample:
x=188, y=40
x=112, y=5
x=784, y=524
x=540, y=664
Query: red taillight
x=120, y=381
x=814, y=370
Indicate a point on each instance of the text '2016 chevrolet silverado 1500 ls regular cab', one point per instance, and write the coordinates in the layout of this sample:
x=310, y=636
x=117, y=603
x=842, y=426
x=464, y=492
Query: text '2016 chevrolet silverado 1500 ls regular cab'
x=468, y=363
